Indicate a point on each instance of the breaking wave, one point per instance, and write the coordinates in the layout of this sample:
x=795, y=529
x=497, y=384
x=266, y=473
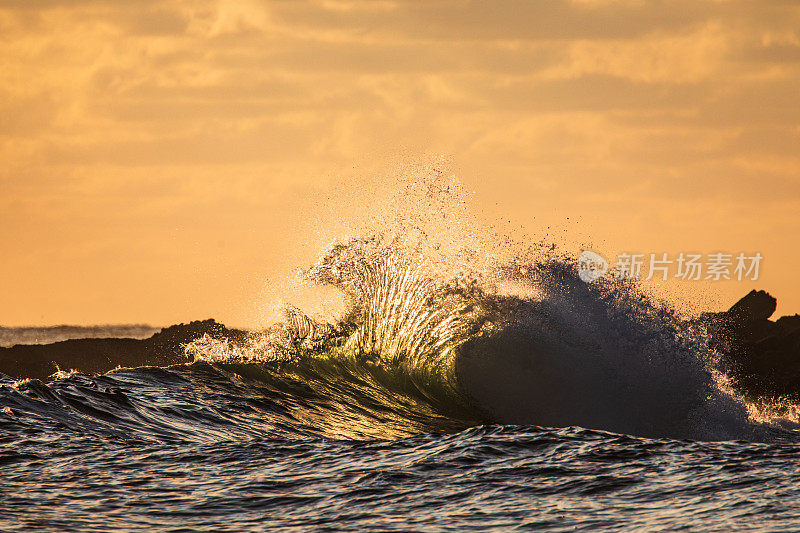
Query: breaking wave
x=553, y=351
x=440, y=331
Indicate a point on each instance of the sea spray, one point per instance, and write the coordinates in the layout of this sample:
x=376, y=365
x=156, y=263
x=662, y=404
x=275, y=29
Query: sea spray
x=504, y=331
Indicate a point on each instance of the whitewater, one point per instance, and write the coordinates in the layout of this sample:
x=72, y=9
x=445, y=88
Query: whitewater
x=466, y=383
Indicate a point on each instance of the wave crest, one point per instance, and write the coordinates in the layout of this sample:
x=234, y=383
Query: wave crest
x=554, y=352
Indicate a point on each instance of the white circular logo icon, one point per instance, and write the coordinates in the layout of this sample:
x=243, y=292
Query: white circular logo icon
x=591, y=266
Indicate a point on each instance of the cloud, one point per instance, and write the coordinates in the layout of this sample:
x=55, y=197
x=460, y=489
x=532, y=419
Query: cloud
x=112, y=112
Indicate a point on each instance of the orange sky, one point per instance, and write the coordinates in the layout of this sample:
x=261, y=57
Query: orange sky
x=162, y=160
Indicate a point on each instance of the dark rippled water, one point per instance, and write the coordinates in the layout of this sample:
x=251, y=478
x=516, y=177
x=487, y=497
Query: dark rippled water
x=202, y=448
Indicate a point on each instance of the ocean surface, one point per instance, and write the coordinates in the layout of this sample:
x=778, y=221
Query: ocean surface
x=229, y=448
x=456, y=390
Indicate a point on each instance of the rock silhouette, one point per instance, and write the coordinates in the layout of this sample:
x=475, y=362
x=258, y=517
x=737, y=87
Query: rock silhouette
x=762, y=356
x=94, y=356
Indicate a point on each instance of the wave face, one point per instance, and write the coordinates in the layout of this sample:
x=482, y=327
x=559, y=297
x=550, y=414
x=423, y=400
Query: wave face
x=601, y=356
